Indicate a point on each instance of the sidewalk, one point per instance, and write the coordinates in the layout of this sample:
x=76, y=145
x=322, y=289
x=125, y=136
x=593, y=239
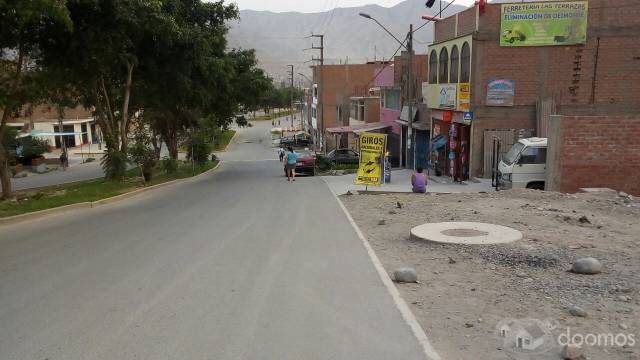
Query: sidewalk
x=400, y=182
x=78, y=172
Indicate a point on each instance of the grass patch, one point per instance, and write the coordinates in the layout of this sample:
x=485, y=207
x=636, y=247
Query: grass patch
x=93, y=190
x=223, y=140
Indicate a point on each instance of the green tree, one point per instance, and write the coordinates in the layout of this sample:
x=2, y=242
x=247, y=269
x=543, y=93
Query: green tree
x=23, y=31
x=189, y=75
x=102, y=57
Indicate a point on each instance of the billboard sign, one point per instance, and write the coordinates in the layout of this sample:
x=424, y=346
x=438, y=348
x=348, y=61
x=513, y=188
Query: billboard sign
x=372, y=154
x=500, y=92
x=544, y=23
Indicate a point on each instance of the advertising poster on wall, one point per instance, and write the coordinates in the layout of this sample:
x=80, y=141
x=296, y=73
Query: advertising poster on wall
x=500, y=92
x=464, y=97
x=544, y=23
x=447, y=96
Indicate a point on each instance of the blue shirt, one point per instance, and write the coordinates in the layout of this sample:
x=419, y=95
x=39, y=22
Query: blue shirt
x=291, y=158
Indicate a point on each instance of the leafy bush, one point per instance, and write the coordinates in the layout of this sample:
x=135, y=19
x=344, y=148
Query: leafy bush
x=114, y=164
x=170, y=166
x=199, y=148
x=142, y=153
x=28, y=148
x=323, y=163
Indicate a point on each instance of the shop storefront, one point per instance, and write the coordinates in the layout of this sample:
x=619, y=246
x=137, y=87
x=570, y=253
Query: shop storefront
x=450, y=145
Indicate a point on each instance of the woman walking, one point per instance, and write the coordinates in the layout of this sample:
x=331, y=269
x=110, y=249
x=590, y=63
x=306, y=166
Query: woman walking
x=290, y=166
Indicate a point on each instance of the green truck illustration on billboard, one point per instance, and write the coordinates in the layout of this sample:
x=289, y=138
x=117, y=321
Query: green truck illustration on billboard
x=512, y=35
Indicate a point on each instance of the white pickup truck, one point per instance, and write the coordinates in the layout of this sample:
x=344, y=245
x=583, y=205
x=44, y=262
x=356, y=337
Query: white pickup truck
x=524, y=166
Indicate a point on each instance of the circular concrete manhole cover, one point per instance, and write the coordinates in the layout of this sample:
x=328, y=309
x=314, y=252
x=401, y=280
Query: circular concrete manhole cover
x=470, y=233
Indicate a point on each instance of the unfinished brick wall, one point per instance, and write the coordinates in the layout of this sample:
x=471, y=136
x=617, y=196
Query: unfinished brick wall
x=595, y=151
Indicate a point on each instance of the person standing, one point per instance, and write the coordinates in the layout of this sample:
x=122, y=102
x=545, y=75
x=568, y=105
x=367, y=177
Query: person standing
x=419, y=181
x=290, y=166
x=281, y=154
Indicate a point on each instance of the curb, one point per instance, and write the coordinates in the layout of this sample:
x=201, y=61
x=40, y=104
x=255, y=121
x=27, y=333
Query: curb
x=410, y=319
x=11, y=220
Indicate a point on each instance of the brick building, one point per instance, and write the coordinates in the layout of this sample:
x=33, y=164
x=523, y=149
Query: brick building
x=333, y=88
x=510, y=91
x=593, y=152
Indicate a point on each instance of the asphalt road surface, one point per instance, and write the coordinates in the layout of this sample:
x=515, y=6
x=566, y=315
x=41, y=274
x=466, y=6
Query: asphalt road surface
x=238, y=264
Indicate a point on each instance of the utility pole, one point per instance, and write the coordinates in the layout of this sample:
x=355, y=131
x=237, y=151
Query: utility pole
x=291, y=93
x=410, y=145
x=320, y=107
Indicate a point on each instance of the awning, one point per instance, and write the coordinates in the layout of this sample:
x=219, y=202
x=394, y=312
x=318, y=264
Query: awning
x=357, y=129
x=438, y=142
x=46, y=133
x=404, y=115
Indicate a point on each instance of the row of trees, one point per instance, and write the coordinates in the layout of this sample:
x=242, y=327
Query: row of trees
x=161, y=63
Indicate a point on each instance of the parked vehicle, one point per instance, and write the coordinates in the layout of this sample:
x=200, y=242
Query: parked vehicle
x=294, y=142
x=344, y=156
x=524, y=166
x=306, y=163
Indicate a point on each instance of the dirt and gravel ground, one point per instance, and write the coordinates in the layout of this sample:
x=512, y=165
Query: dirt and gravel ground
x=465, y=291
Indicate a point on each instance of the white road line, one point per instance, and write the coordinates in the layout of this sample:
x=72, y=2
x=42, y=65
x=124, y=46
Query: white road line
x=402, y=306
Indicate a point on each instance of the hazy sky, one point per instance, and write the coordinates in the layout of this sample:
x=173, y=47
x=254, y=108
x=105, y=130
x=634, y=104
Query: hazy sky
x=314, y=5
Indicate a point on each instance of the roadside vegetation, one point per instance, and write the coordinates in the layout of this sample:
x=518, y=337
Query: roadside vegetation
x=153, y=73
x=223, y=140
x=89, y=191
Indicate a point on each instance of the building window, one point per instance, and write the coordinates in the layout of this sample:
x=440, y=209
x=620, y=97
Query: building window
x=443, y=76
x=455, y=62
x=392, y=99
x=465, y=63
x=433, y=67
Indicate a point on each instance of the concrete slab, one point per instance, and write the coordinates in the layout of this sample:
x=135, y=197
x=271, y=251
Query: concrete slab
x=466, y=233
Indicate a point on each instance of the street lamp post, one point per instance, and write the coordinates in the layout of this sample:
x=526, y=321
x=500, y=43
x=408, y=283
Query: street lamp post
x=410, y=88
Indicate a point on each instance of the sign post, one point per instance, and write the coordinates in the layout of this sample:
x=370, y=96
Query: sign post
x=372, y=154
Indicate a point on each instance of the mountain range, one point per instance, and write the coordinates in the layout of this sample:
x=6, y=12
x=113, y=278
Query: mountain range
x=280, y=39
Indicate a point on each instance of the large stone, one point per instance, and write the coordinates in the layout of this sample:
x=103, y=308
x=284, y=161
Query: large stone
x=572, y=352
x=589, y=266
x=21, y=174
x=40, y=169
x=405, y=275
x=577, y=311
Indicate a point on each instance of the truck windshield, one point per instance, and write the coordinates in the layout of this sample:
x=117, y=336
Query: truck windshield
x=510, y=157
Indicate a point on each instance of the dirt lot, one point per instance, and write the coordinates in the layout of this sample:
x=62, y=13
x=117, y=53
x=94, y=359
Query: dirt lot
x=465, y=291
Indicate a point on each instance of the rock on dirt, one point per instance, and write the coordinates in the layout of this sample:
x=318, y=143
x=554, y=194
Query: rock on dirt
x=405, y=275
x=588, y=266
x=572, y=352
x=577, y=311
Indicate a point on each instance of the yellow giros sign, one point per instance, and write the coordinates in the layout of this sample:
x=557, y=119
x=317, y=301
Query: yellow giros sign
x=372, y=148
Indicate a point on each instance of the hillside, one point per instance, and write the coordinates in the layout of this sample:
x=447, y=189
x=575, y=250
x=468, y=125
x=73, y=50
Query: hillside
x=279, y=38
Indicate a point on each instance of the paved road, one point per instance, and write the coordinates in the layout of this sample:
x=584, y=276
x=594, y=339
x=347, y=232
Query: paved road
x=236, y=265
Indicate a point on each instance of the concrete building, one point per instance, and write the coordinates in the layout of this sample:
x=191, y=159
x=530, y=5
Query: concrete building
x=42, y=121
x=489, y=79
